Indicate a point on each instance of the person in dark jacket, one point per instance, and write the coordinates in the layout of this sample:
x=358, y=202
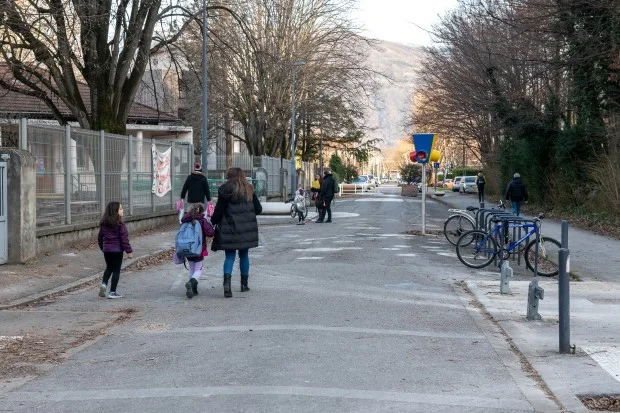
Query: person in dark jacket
x=197, y=212
x=113, y=241
x=237, y=228
x=196, y=187
x=516, y=192
x=480, y=182
x=326, y=196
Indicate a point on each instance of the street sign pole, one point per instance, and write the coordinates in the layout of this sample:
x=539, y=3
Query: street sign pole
x=423, y=199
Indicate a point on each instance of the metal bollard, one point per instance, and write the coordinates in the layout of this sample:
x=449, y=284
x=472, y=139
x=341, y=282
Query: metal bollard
x=535, y=293
x=506, y=275
x=564, y=302
x=564, y=242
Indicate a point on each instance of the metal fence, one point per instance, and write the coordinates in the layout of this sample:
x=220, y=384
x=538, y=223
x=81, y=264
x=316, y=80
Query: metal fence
x=79, y=171
x=278, y=172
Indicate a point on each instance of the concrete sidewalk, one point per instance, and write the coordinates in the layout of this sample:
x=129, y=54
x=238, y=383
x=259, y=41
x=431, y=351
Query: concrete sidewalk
x=594, y=369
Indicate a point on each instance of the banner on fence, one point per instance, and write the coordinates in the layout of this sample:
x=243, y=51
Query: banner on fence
x=161, y=172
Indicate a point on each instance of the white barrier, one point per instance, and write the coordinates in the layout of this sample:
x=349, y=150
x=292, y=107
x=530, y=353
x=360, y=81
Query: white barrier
x=356, y=189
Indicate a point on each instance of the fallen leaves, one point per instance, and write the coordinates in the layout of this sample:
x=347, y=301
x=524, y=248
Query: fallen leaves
x=603, y=403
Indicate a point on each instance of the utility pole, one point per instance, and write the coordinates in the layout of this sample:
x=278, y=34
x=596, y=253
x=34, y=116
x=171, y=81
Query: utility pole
x=204, y=88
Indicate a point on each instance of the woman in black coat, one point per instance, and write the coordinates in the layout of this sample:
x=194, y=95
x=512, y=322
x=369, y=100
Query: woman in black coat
x=237, y=228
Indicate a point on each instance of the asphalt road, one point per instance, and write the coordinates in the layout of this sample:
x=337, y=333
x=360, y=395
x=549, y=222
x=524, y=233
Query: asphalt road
x=353, y=316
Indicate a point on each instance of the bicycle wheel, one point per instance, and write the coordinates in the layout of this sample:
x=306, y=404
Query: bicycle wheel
x=293, y=211
x=476, y=249
x=304, y=211
x=548, y=256
x=455, y=226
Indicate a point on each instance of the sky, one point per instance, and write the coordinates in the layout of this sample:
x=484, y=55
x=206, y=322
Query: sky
x=397, y=20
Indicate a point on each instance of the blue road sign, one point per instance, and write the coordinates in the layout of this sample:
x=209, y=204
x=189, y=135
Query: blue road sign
x=436, y=165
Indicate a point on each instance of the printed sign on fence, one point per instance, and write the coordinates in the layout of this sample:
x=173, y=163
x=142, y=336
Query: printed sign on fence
x=161, y=172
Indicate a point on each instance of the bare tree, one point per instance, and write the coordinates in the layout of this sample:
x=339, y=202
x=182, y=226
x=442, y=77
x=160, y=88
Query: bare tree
x=90, y=55
x=251, y=74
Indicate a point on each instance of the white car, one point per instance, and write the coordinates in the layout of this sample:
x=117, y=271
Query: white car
x=368, y=179
x=468, y=184
x=456, y=185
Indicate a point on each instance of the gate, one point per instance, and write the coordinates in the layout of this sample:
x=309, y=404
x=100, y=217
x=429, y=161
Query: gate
x=4, y=245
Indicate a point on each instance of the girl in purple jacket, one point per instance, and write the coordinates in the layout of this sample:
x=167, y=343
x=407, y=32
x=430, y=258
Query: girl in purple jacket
x=113, y=241
x=197, y=212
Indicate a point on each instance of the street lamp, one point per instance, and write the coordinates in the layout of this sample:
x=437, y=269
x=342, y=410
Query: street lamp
x=293, y=169
x=204, y=86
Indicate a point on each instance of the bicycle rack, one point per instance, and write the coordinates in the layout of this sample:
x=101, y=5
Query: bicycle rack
x=483, y=213
x=517, y=232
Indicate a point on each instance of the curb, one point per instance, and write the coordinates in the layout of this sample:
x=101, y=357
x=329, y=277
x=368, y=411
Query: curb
x=36, y=297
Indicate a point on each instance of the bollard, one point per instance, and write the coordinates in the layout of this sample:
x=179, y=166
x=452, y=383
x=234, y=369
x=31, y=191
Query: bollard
x=564, y=302
x=535, y=293
x=506, y=275
x=564, y=238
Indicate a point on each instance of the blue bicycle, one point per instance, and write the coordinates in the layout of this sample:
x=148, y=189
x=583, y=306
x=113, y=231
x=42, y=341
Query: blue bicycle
x=477, y=249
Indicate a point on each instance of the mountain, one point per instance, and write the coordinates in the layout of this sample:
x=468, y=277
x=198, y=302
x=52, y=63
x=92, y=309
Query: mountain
x=390, y=106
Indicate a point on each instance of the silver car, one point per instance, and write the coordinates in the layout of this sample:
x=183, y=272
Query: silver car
x=468, y=184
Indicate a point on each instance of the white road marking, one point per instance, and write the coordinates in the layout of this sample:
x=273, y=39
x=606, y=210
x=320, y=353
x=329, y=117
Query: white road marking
x=309, y=258
x=607, y=357
x=443, y=399
x=447, y=254
x=406, y=255
x=327, y=249
x=379, y=199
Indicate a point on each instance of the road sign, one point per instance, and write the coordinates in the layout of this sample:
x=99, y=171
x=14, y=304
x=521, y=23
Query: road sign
x=436, y=165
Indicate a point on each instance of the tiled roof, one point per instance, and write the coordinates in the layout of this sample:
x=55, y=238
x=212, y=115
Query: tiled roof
x=18, y=105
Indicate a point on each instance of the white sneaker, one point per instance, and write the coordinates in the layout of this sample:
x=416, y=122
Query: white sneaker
x=114, y=294
x=102, y=290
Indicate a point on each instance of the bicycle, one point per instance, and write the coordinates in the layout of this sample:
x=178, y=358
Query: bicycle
x=477, y=249
x=460, y=222
x=299, y=204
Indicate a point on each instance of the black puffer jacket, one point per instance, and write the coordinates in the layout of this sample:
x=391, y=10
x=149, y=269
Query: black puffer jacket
x=235, y=218
x=328, y=187
x=516, y=191
x=196, y=187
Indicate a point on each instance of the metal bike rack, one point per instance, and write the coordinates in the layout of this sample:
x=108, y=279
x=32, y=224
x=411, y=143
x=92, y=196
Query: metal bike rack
x=516, y=232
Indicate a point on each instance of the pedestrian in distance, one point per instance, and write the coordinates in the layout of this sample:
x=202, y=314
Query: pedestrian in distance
x=480, y=181
x=196, y=187
x=113, y=241
x=326, y=196
x=195, y=264
x=300, y=199
x=236, y=225
x=516, y=192
x=315, y=188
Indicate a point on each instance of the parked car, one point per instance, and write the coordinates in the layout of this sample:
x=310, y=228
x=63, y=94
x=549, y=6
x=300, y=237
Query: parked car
x=448, y=183
x=468, y=184
x=367, y=180
x=456, y=185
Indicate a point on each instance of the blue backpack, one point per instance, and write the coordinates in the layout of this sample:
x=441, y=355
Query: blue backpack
x=188, y=242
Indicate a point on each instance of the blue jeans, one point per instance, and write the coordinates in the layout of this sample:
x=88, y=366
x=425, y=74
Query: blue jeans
x=516, y=208
x=244, y=261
